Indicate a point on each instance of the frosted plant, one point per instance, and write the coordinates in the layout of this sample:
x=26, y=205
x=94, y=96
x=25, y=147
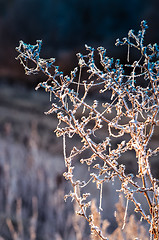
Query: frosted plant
x=130, y=114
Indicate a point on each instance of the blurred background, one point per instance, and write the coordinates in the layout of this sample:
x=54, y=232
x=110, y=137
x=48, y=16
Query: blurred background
x=31, y=157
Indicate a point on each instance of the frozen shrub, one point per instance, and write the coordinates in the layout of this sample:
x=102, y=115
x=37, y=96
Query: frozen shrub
x=129, y=113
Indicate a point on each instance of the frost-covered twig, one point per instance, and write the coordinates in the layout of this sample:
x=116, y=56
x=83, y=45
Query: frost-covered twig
x=131, y=110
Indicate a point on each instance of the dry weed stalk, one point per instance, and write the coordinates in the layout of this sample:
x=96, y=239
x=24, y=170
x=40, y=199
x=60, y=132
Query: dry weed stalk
x=132, y=231
x=19, y=233
x=130, y=113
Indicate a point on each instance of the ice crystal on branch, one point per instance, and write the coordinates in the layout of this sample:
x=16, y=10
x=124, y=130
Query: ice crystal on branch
x=131, y=110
